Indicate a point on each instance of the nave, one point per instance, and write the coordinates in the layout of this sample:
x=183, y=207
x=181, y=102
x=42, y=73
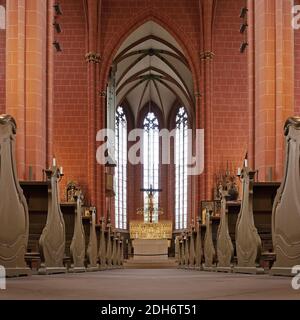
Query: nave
x=150, y=284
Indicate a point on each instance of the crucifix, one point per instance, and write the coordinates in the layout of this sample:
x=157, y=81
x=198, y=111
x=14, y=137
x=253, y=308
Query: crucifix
x=150, y=192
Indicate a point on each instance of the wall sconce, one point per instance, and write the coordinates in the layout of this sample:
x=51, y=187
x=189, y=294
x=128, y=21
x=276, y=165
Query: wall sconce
x=243, y=13
x=57, y=9
x=57, y=27
x=57, y=46
x=243, y=47
x=243, y=27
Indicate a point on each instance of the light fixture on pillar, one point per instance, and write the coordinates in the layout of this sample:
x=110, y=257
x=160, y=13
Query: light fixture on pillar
x=243, y=27
x=57, y=9
x=243, y=47
x=57, y=46
x=243, y=13
x=57, y=27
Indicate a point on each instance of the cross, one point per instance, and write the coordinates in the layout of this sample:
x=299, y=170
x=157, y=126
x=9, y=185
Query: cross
x=150, y=191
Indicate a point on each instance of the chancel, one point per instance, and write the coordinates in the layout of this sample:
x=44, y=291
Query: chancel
x=151, y=239
x=104, y=106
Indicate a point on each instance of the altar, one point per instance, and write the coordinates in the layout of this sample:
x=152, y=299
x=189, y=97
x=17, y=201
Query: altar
x=150, y=249
x=151, y=241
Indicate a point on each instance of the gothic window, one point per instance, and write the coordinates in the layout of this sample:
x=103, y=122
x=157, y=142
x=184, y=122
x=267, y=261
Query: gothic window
x=151, y=159
x=121, y=169
x=181, y=178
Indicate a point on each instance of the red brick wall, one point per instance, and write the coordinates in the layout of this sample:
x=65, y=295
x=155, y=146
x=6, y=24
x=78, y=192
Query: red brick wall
x=2, y=65
x=70, y=127
x=297, y=69
x=230, y=88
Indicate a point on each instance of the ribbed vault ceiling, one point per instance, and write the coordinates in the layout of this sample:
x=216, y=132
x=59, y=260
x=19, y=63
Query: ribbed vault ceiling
x=151, y=66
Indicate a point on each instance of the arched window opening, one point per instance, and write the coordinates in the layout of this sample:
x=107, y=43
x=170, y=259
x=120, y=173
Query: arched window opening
x=181, y=177
x=121, y=169
x=151, y=160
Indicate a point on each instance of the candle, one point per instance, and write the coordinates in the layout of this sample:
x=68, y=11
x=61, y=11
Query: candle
x=239, y=173
x=61, y=170
x=54, y=162
x=246, y=163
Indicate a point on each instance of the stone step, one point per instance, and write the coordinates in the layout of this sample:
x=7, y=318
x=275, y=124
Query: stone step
x=150, y=263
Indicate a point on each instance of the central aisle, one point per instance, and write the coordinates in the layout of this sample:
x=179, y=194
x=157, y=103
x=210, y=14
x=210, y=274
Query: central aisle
x=147, y=284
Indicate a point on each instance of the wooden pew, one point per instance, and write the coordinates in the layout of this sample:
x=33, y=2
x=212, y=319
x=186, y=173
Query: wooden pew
x=209, y=248
x=225, y=250
x=53, y=238
x=36, y=194
x=263, y=198
x=286, y=209
x=92, y=247
x=14, y=226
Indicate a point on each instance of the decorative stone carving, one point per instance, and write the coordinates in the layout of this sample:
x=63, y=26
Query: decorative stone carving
x=121, y=251
x=286, y=208
x=53, y=239
x=225, y=248
x=207, y=55
x=92, y=250
x=114, y=249
x=192, y=249
x=182, y=248
x=77, y=247
x=199, y=250
x=102, y=245
x=186, y=251
x=177, y=250
x=209, y=250
x=109, y=246
x=93, y=57
x=14, y=226
x=118, y=243
x=248, y=242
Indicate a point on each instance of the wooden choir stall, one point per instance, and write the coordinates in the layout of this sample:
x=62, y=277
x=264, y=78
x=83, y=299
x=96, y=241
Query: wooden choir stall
x=40, y=234
x=260, y=233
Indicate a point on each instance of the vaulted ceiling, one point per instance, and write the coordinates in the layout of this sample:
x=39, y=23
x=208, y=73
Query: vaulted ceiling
x=150, y=66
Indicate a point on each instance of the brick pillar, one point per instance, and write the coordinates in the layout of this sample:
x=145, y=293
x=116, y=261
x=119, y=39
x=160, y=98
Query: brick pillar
x=251, y=83
x=96, y=109
x=207, y=13
x=50, y=81
x=26, y=82
x=274, y=83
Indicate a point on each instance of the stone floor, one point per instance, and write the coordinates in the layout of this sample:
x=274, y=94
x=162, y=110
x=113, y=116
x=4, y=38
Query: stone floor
x=148, y=284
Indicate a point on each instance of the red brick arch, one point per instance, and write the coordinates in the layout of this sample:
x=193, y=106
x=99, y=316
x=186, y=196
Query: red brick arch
x=171, y=26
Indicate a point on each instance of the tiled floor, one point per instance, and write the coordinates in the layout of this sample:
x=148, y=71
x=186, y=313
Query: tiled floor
x=133, y=284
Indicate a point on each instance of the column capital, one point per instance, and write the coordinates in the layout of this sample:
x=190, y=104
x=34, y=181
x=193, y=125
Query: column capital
x=207, y=55
x=93, y=57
